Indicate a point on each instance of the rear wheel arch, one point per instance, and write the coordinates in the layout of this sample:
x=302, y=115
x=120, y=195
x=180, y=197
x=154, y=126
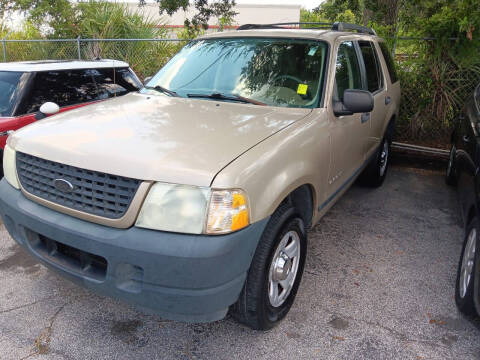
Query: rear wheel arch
x=472, y=212
x=390, y=132
x=453, y=137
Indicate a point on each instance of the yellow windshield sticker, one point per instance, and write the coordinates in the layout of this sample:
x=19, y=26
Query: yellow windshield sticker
x=302, y=89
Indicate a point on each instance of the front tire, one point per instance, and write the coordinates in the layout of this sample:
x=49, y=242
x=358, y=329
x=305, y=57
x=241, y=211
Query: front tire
x=275, y=273
x=464, y=288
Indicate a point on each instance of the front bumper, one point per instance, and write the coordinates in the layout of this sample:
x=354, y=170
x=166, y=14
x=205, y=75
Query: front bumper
x=178, y=276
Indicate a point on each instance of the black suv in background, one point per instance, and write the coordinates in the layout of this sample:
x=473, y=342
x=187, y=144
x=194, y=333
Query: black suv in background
x=463, y=171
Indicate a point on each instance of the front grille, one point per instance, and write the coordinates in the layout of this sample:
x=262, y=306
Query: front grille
x=93, y=192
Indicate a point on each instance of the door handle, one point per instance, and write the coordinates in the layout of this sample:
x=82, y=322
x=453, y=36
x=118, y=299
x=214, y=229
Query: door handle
x=365, y=117
x=466, y=138
x=388, y=100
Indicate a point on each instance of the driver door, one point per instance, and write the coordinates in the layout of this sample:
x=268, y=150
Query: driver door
x=349, y=133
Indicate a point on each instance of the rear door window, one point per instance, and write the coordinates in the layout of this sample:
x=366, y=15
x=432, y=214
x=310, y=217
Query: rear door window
x=389, y=60
x=372, y=66
x=347, y=70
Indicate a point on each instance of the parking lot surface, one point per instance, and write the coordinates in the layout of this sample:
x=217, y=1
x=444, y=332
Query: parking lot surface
x=378, y=284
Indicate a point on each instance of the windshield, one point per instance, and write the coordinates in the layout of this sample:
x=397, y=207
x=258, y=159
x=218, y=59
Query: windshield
x=277, y=72
x=8, y=85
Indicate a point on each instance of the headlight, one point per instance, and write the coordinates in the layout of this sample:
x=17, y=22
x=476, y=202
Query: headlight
x=193, y=210
x=9, y=166
x=176, y=208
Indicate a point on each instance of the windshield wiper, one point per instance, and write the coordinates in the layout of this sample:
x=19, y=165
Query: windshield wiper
x=162, y=89
x=232, y=97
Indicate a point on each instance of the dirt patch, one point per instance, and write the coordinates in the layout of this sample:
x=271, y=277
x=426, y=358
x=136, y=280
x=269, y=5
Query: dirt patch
x=338, y=323
x=19, y=259
x=126, y=332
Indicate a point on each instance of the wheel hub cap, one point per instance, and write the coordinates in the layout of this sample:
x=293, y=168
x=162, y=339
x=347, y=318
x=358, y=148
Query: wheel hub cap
x=384, y=158
x=283, y=268
x=468, y=262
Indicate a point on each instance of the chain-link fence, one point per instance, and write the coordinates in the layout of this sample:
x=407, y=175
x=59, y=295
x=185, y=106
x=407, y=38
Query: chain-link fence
x=431, y=95
x=145, y=56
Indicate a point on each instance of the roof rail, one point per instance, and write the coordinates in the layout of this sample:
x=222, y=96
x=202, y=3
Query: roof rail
x=342, y=26
x=280, y=25
x=338, y=26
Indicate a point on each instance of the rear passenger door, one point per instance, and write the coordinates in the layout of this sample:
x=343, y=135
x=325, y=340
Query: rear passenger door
x=375, y=83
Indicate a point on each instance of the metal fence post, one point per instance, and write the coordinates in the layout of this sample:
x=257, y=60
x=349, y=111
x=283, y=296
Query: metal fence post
x=78, y=48
x=394, y=48
x=4, y=44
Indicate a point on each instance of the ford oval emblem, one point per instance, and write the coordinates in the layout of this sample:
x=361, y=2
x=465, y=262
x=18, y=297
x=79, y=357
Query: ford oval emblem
x=63, y=185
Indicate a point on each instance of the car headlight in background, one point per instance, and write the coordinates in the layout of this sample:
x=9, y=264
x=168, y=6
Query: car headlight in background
x=9, y=167
x=193, y=210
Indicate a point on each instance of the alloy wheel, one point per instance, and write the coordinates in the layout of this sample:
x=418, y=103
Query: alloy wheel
x=284, y=268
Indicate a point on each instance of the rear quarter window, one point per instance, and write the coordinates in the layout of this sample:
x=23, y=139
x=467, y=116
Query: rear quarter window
x=389, y=61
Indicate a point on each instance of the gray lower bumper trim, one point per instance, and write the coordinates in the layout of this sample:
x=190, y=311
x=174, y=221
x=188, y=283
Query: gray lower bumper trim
x=181, y=277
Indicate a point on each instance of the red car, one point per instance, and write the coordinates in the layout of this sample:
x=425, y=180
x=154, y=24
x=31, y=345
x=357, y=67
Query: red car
x=26, y=86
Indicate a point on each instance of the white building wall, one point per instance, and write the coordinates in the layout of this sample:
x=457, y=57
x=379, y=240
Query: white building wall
x=247, y=14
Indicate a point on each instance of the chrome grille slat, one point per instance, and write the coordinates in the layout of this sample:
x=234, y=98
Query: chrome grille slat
x=94, y=192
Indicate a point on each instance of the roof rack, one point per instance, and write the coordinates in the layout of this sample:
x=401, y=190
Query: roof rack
x=338, y=26
x=342, y=26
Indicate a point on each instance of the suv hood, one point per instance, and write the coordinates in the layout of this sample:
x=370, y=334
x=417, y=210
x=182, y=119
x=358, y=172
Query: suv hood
x=154, y=137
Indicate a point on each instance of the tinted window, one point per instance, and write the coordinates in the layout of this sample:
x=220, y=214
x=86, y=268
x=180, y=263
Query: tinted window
x=389, y=60
x=347, y=73
x=277, y=72
x=69, y=87
x=9, y=82
x=374, y=75
x=111, y=84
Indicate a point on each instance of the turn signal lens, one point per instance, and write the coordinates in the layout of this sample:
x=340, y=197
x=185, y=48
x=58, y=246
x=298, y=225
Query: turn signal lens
x=228, y=211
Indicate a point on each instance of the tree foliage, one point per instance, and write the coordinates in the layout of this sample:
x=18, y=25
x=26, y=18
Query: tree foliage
x=55, y=13
x=340, y=10
x=64, y=16
x=426, y=18
x=437, y=74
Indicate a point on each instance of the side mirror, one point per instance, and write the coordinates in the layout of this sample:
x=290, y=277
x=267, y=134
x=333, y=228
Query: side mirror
x=147, y=79
x=49, y=108
x=354, y=101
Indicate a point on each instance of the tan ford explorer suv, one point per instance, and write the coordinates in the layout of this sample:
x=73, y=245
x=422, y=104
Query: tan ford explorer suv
x=193, y=196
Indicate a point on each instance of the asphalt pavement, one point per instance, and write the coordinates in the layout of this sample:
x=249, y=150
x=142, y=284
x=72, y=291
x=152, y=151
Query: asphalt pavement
x=378, y=284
